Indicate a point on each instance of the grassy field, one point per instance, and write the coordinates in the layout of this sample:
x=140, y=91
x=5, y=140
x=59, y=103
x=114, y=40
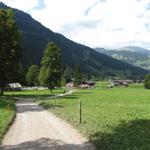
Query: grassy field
x=34, y=93
x=113, y=119
x=7, y=113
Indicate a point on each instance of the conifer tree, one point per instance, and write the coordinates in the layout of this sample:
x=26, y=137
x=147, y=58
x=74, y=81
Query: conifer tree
x=10, y=49
x=50, y=71
x=78, y=75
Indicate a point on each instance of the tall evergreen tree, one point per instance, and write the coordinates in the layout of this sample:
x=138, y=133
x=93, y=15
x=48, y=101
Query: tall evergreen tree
x=50, y=71
x=32, y=75
x=67, y=74
x=9, y=48
x=78, y=75
x=63, y=81
x=21, y=78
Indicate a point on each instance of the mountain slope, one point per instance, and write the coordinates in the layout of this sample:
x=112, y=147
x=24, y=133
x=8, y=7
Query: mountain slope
x=136, y=56
x=134, y=49
x=35, y=37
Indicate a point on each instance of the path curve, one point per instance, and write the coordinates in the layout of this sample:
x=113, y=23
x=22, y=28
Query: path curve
x=37, y=129
x=60, y=95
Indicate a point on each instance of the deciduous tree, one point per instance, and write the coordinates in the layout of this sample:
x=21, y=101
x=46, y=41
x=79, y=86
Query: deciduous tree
x=32, y=75
x=147, y=81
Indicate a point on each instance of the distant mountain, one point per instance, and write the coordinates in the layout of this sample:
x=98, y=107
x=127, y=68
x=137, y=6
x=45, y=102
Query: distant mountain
x=135, y=49
x=133, y=55
x=145, y=45
x=35, y=37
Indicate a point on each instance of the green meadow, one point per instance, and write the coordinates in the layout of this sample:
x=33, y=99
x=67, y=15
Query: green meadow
x=34, y=93
x=113, y=119
x=7, y=113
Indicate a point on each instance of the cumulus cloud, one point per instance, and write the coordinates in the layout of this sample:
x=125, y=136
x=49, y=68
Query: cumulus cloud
x=147, y=6
x=92, y=22
x=40, y=5
x=74, y=28
x=90, y=8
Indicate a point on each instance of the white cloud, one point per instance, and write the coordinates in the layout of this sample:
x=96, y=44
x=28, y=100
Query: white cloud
x=93, y=22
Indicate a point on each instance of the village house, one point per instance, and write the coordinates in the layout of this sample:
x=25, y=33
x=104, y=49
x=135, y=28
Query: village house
x=70, y=83
x=123, y=83
x=87, y=84
x=13, y=87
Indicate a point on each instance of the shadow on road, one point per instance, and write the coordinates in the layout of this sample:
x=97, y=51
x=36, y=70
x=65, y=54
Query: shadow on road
x=27, y=107
x=28, y=96
x=24, y=106
x=46, y=144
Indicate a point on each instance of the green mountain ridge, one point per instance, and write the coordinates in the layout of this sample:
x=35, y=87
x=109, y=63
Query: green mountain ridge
x=35, y=38
x=133, y=55
x=134, y=49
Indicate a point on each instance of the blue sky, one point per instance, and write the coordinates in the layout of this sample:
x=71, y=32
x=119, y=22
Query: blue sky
x=96, y=23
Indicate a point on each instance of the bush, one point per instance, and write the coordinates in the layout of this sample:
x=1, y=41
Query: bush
x=147, y=81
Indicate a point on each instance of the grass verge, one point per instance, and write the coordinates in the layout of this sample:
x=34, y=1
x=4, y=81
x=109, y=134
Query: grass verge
x=7, y=114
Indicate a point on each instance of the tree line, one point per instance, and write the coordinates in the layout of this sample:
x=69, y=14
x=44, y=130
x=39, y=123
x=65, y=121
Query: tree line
x=49, y=74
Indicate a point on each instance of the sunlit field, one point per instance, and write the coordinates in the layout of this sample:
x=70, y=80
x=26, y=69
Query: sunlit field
x=113, y=119
x=34, y=93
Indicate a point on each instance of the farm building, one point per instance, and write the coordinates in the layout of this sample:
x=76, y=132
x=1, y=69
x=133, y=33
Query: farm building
x=123, y=83
x=83, y=84
x=70, y=83
x=13, y=87
x=87, y=84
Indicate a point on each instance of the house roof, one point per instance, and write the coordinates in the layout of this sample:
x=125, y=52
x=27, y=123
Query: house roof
x=14, y=85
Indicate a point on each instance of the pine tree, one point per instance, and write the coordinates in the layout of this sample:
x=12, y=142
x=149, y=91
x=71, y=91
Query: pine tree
x=67, y=74
x=78, y=75
x=10, y=49
x=63, y=81
x=50, y=72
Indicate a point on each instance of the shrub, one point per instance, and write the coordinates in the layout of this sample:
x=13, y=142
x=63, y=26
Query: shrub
x=147, y=81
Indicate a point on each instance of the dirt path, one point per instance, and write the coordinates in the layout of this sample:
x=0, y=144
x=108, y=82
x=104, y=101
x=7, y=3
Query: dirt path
x=37, y=129
x=60, y=95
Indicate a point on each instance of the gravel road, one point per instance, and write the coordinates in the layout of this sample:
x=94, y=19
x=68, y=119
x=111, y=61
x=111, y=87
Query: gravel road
x=37, y=129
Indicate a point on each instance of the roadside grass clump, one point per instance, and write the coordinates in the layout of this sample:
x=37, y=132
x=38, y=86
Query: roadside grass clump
x=7, y=114
x=113, y=119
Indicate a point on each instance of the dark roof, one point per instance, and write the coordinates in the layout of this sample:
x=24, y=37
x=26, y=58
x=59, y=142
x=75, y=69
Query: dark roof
x=87, y=82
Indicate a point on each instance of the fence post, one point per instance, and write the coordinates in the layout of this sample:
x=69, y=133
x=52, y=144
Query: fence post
x=79, y=112
x=54, y=103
